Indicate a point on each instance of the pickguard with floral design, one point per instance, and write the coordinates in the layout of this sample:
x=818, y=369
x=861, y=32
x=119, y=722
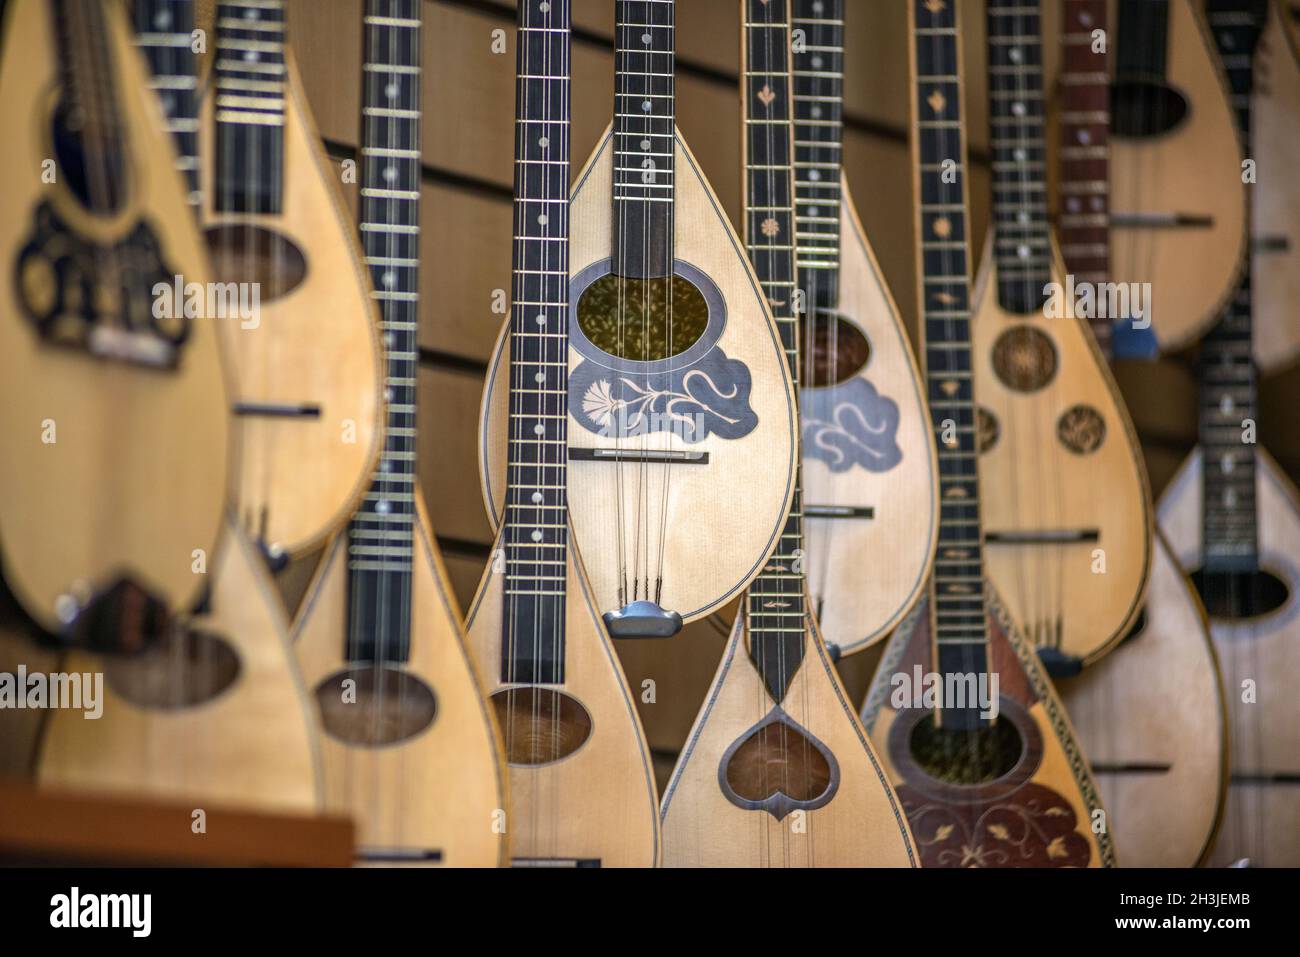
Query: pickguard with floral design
x=851, y=424
x=708, y=397
x=1031, y=827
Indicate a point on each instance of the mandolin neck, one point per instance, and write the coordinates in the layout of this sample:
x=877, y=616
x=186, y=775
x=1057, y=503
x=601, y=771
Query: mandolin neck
x=535, y=530
x=164, y=33
x=1022, y=246
x=382, y=532
x=819, y=138
x=1229, y=519
x=251, y=86
x=943, y=257
x=644, y=123
x=1083, y=187
x=775, y=600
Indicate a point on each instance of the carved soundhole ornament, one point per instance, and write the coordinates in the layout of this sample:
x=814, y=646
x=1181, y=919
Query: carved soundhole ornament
x=1032, y=827
x=987, y=429
x=183, y=670
x=1081, y=429
x=540, y=725
x=1024, y=359
x=375, y=706
x=778, y=767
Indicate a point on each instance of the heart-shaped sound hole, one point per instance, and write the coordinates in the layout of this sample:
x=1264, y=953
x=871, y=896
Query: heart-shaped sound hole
x=540, y=725
x=777, y=766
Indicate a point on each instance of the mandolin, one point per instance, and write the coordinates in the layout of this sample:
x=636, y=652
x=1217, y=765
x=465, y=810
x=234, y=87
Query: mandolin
x=1067, y=508
x=582, y=788
x=410, y=749
x=974, y=739
x=109, y=398
x=305, y=357
x=1151, y=714
x=1176, y=192
x=869, y=485
x=1275, y=201
x=1246, y=569
x=678, y=389
x=777, y=771
x=215, y=711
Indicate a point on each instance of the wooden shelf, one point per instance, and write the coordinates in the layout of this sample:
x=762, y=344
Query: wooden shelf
x=61, y=827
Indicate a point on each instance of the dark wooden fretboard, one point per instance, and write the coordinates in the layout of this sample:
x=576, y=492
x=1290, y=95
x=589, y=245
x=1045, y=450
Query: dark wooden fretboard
x=535, y=528
x=1142, y=49
x=775, y=601
x=1227, y=368
x=164, y=33
x=1083, y=186
x=250, y=89
x=818, y=71
x=644, y=119
x=381, y=535
x=938, y=146
x=1022, y=246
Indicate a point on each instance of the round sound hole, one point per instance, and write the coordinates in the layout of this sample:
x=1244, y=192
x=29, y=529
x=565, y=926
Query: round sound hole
x=839, y=351
x=1140, y=109
x=540, y=725
x=252, y=254
x=1081, y=429
x=987, y=429
x=182, y=670
x=778, y=758
x=966, y=757
x=1024, y=359
x=1235, y=595
x=373, y=707
x=641, y=319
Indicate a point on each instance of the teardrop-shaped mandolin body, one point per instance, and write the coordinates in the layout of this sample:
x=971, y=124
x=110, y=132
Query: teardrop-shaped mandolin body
x=869, y=470
x=419, y=769
x=1255, y=623
x=1177, y=195
x=1017, y=793
x=1151, y=718
x=1066, y=506
x=749, y=764
x=107, y=397
x=665, y=442
x=582, y=788
x=217, y=714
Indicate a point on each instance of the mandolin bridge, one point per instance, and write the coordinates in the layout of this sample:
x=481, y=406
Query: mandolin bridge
x=650, y=456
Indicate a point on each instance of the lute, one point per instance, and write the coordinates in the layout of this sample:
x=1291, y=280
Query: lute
x=1150, y=715
x=975, y=741
x=1233, y=519
x=1176, y=193
x=1067, y=508
x=679, y=396
x=110, y=394
x=869, y=470
x=582, y=788
x=212, y=709
x=777, y=771
x=305, y=357
x=410, y=750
